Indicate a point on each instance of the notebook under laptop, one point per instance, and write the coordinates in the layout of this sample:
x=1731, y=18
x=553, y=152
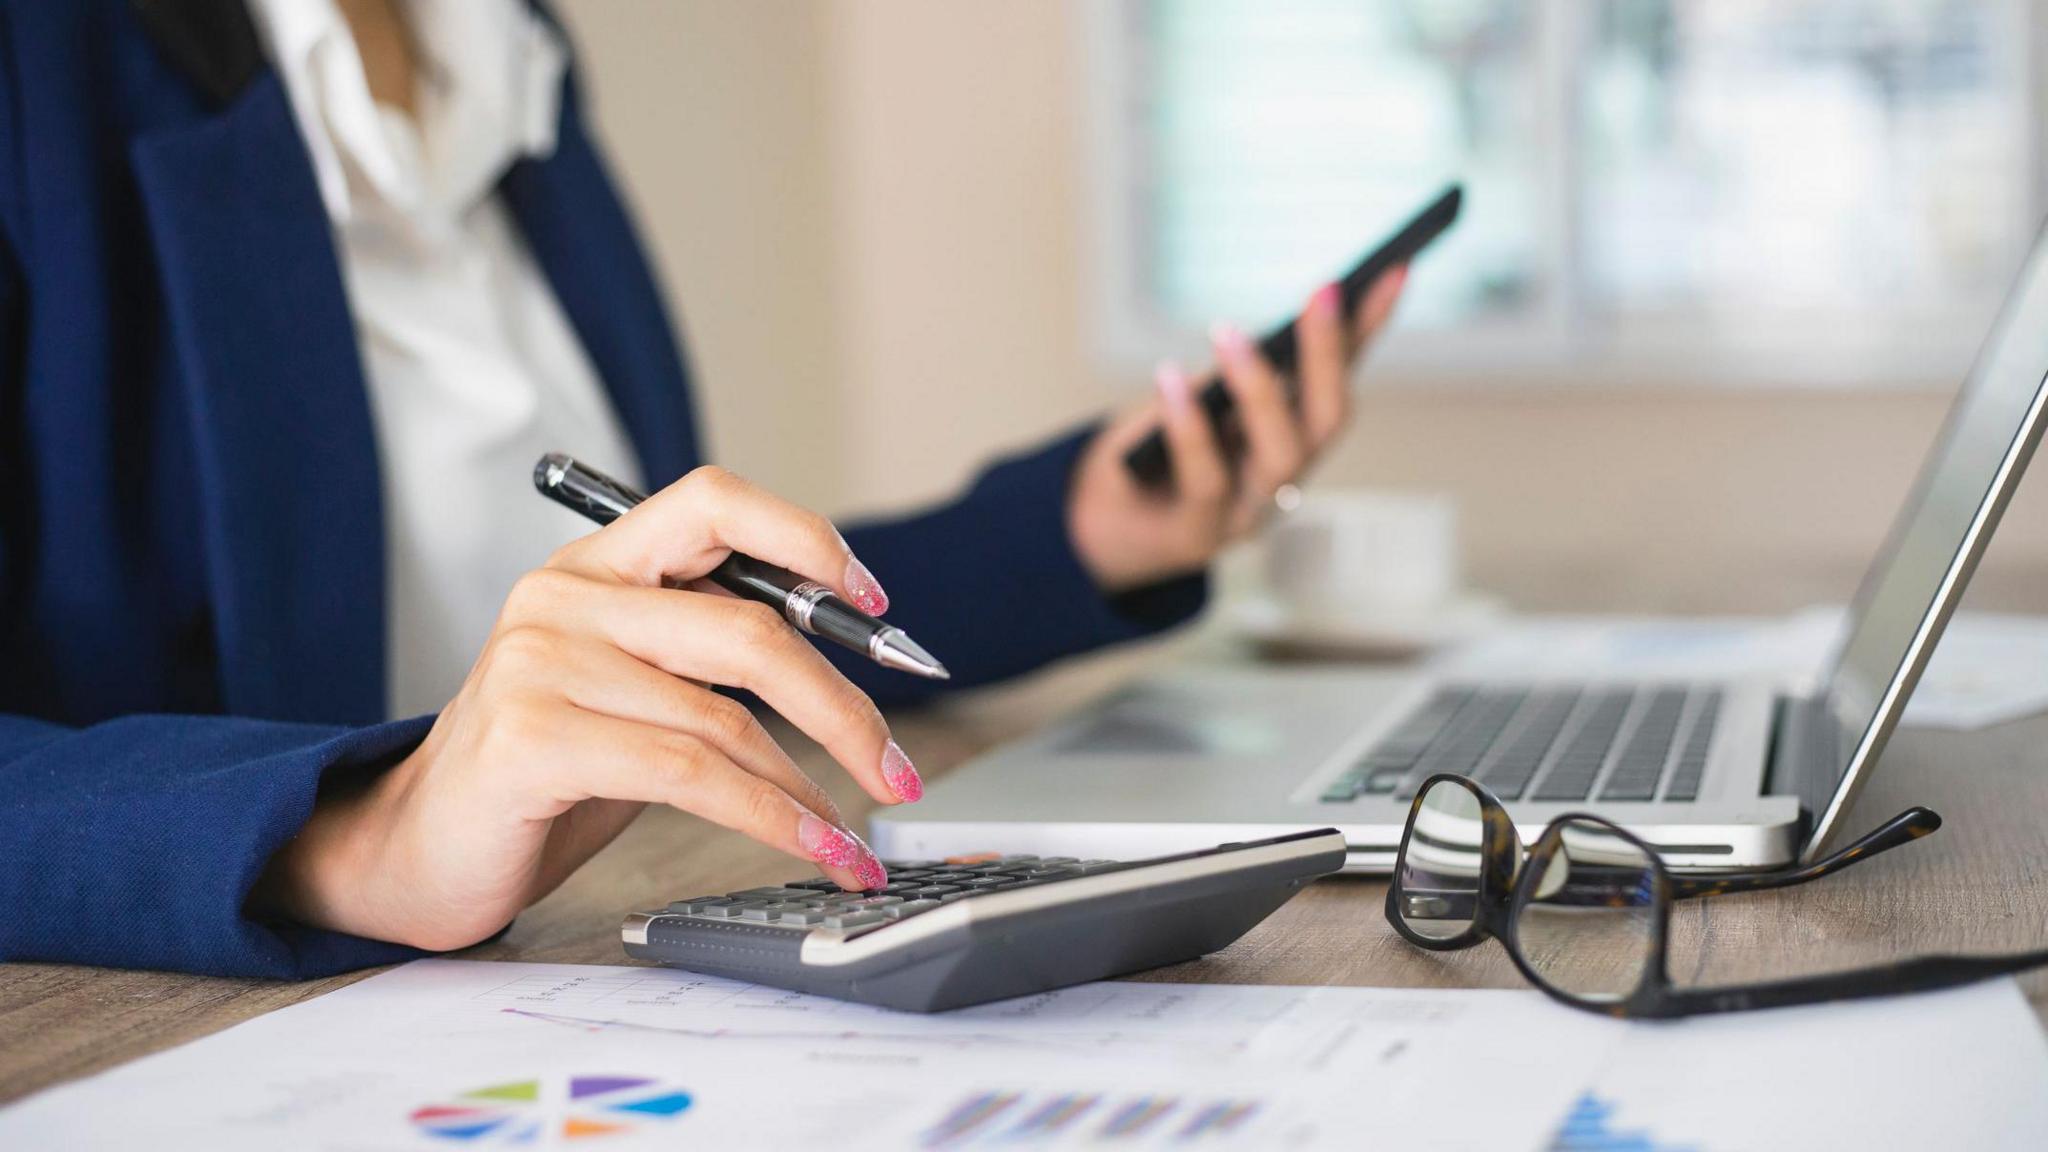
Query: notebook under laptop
x=1719, y=775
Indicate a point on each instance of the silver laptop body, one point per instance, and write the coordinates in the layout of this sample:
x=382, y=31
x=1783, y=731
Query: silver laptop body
x=1719, y=775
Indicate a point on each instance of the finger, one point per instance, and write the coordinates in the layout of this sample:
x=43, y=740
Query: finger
x=736, y=643
x=687, y=528
x=1376, y=309
x=1275, y=451
x=1201, y=479
x=1323, y=367
x=1125, y=431
x=599, y=678
x=588, y=756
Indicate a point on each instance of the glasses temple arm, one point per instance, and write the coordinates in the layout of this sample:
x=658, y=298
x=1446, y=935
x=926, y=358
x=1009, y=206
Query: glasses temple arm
x=1904, y=828
x=1921, y=974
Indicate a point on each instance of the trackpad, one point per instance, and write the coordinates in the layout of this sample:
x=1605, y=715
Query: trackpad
x=1162, y=721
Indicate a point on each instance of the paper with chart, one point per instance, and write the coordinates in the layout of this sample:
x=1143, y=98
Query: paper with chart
x=442, y=1052
x=1966, y=1068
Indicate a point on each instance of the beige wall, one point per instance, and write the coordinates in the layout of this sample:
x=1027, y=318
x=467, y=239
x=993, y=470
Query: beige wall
x=873, y=214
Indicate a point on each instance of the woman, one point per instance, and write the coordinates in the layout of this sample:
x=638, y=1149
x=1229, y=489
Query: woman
x=292, y=294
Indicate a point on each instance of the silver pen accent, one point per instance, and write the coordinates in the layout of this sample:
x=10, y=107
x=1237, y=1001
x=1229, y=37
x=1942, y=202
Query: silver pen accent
x=803, y=600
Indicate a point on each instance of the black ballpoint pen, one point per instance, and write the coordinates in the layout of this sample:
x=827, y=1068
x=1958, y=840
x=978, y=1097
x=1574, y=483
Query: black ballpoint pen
x=807, y=604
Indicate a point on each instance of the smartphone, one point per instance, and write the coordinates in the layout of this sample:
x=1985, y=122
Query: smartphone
x=1149, y=462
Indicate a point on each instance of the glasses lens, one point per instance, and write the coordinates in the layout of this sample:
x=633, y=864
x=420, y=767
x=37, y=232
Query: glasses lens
x=1442, y=856
x=1589, y=925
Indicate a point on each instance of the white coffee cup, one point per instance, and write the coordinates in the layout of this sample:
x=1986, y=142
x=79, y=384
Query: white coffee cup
x=1359, y=554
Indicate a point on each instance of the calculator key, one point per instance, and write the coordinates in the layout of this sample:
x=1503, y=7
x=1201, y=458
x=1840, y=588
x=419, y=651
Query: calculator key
x=760, y=913
x=987, y=883
x=895, y=866
x=1088, y=866
x=773, y=893
x=699, y=904
x=899, y=887
x=909, y=908
x=854, y=919
x=805, y=915
x=1050, y=860
x=908, y=873
x=931, y=892
x=819, y=884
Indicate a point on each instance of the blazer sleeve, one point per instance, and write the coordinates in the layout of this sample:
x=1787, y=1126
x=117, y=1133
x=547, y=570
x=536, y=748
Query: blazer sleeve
x=990, y=584
x=135, y=842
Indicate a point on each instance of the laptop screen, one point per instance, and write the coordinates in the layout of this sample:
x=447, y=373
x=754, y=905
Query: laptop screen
x=1945, y=523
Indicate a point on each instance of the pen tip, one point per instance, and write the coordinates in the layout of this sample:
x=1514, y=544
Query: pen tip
x=894, y=649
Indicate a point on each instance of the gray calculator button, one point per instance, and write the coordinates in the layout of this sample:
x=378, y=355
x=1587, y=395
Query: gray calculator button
x=854, y=919
x=699, y=904
x=985, y=883
x=760, y=912
x=772, y=894
x=805, y=915
x=911, y=908
x=733, y=910
x=1048, y=860
x=931, y=892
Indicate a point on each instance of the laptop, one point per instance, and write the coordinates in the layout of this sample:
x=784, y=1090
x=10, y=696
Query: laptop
x=1717, y=775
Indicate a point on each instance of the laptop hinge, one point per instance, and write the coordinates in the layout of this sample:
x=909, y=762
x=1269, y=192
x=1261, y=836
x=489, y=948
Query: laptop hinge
x=1803, y=761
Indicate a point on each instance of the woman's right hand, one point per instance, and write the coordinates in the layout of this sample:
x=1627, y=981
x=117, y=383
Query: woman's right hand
x=592, y=700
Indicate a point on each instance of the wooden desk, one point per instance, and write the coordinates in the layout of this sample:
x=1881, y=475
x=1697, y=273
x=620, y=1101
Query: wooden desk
x=1980, y=884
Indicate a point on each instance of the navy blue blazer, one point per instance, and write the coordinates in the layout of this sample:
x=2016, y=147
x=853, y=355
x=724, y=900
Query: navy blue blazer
x=191, y=547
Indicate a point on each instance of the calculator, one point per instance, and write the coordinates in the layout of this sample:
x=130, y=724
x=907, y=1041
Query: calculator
x=969, y=929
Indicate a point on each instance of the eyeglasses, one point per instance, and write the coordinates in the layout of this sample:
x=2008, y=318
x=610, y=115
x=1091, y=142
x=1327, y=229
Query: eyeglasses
x=1586, y=912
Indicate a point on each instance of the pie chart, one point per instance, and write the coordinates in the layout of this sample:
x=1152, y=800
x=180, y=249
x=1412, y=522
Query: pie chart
x=565, y=1108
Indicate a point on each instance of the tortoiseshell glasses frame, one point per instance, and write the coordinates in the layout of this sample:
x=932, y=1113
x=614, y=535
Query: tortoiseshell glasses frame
x=1501, y=881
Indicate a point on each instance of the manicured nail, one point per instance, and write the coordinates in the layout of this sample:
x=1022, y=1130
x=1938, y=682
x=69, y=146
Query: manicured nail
x=866, y=591
x=827, y=843
x=1230, y=342
x=901, y=775
x=1173, y=386
x=1325, y=301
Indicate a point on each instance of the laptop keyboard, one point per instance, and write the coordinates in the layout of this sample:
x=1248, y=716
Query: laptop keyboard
x=1552, y=743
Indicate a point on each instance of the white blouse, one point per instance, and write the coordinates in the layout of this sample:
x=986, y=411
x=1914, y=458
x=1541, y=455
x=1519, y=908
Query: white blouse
x=473, y=369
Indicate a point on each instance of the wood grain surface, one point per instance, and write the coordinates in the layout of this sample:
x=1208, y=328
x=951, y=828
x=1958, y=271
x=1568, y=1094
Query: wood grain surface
x=1978, y=885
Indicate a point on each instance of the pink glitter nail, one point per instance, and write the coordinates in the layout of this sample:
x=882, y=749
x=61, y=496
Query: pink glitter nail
x=830, y=844
x=866, y=592
x=901, y=775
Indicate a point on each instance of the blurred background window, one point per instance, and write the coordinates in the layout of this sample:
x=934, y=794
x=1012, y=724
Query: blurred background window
x=1776, y=191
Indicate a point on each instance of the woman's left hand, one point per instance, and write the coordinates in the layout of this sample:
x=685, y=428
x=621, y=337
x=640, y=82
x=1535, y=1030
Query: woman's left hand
x=1128, y=536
